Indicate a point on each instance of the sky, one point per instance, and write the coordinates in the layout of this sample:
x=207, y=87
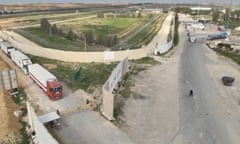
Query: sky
x=118, y=1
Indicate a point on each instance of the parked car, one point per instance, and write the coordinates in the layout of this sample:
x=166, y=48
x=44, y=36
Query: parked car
x=228, y=80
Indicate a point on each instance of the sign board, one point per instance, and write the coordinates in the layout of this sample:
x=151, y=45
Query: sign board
x=77, y=74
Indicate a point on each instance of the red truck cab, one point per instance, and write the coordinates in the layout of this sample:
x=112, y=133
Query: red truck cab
x=54, y=89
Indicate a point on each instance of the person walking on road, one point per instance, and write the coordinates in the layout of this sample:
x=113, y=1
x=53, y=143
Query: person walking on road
x=191, y=93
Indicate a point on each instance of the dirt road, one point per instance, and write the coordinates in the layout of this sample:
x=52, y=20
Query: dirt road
x=9, y=124
x=151, y=113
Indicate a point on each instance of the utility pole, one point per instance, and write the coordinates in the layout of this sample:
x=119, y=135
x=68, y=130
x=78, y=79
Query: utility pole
x=198, y=10
x=85, y=43
x=229, y=14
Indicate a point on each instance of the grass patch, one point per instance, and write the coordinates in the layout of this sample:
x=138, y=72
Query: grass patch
x=24, y=135
x=92, y=74
x=103, y=26
x=56, y=42
x=232, y=55
x=147, y=34
x=146, y=60
x=126, y=91
x=100, y=26
x=112, y=25
x=142, y=35
x=20, y=98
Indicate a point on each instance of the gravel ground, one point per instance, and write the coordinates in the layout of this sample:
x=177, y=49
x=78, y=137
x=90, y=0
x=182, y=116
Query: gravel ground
x=151, y=113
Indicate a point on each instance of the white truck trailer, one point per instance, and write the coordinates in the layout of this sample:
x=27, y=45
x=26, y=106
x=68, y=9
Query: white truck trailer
x=47, y=81
x=7, y=48
x=21, y=60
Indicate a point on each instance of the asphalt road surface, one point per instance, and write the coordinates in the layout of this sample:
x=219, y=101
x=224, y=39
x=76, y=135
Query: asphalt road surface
x=202, y=117
x=88, y=127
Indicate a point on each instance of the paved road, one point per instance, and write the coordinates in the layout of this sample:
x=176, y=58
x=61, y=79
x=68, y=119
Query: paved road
x=88, y=127
x=202, y=117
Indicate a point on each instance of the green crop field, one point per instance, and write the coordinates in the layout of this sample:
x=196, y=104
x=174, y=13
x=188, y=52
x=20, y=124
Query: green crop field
x=131, y=30
x=147, y=33
x=105, y=25
x=55, y=41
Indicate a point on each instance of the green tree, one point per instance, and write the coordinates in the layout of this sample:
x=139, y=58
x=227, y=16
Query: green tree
x=100, y=15
x=150, y=16
x=215, y=16
x=186, y=10
x=133, y=15
x=54, y=29
x=71, y=35
x=45, y=25
x=89, y=36
x=139, y=15
x=226, y=15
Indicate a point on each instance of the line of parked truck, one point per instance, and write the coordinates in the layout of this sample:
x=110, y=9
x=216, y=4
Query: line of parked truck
x=43, y=78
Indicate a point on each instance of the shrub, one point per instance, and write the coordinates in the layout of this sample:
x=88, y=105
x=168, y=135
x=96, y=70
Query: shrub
x=237, y=51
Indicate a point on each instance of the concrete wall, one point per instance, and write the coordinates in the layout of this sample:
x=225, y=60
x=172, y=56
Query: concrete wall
x=108, y=104
x=42, y=135
x=162, y=48
x=70, y=56
x=108, y=88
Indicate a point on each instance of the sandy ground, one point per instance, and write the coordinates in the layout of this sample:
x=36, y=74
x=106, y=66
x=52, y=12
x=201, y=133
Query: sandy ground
x=9, y=124
x=151, y=113
x=230, y=97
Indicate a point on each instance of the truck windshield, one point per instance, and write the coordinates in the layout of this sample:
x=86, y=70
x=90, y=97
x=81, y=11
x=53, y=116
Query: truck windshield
x=57, y=89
